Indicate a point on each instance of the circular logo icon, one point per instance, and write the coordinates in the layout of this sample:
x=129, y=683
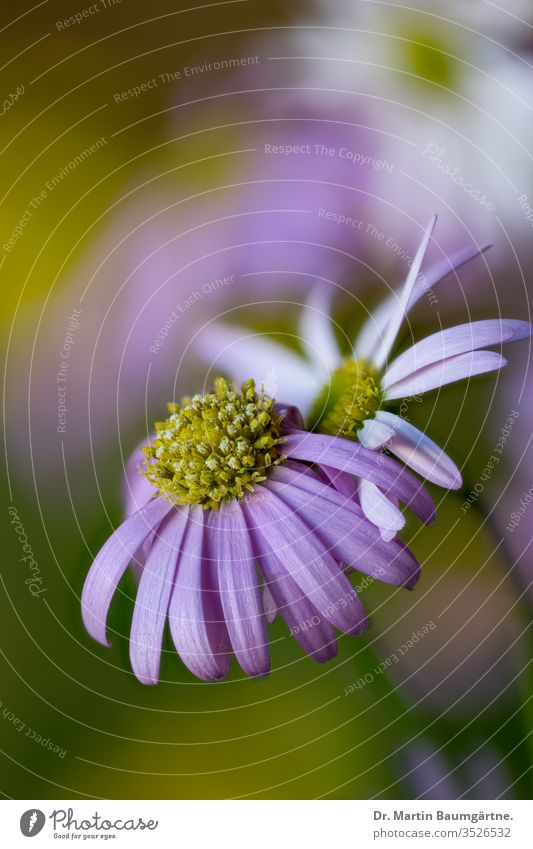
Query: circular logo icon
x=32, y=822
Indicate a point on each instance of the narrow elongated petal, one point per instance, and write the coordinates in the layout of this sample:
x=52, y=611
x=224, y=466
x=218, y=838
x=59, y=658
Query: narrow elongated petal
x=239, y=588
x=378, y=509
x=374, y=434
x=307, y=561
x=349, y=487
x=343, y=483
x=153, y=596
x=374, y=327
x=388, y=535
x=112, y=561
x=315, y=635
x=359, y=461
x=442, y=269
x=136, y=492
x=373, y=330
x=453, y=341
x=420, y=453
x=399, y=311
x=269, y=605
x=195, y=614
x=292, y=417
x=243, y=356
x=316, y=332
x=136, y=489
x=347, y=533
x=444, y=372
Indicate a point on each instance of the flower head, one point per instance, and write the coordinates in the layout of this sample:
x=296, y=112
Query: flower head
x=235, y=513
x=214, y=446
x=357, y=397
x=352, y=395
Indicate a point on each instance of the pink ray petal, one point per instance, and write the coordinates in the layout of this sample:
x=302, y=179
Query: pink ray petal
x=420, y=453
x=453, y=341
x=447, y=371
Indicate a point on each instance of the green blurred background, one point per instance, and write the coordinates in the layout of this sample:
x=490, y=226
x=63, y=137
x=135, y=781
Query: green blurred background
x=179, y=191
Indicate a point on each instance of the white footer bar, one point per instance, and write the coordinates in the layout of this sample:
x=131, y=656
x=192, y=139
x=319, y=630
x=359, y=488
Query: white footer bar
x=266, y=824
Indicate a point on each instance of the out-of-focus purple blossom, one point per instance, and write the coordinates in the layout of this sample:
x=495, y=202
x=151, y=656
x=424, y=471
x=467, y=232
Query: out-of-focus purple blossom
x=176, y=255
x=451, y=105
x=478, y=774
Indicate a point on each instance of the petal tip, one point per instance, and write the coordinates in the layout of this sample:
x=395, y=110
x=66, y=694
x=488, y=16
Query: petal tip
x=93, y=626
x=522, y=330
x=359, y=627
x=146, y=680
x=257, y=671
x=411, y=582
x=431, y=515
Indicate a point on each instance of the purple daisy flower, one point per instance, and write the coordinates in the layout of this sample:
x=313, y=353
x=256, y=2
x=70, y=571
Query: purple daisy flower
x=356, y=397
x=232, y=517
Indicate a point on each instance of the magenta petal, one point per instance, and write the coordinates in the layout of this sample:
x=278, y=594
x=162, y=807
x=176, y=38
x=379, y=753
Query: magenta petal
x=359, y=461
x=315, y=635
x=453, y=341
x=420, y=453
x=444, y=372
x=153, y=596
x=112, y=561
x=195, y=614
x=307, y=561
x=239, y=588
x=343, y=483
x=347, y=534
x=316, y=331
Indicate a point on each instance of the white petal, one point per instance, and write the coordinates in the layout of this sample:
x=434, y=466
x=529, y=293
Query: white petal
x=373, y=330
x=374, y=434
x=374, y=327
x=420, y=452
x=401, y=305
x=243, y=355
x=378, y=509
x=316, y=331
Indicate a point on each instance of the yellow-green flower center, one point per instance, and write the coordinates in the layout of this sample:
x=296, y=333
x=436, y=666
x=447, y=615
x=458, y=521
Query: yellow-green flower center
x=214, y=447
x=351, y=396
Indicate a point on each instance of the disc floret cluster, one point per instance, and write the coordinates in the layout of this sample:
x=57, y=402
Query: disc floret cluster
x=214, y=447
x=352, y=395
